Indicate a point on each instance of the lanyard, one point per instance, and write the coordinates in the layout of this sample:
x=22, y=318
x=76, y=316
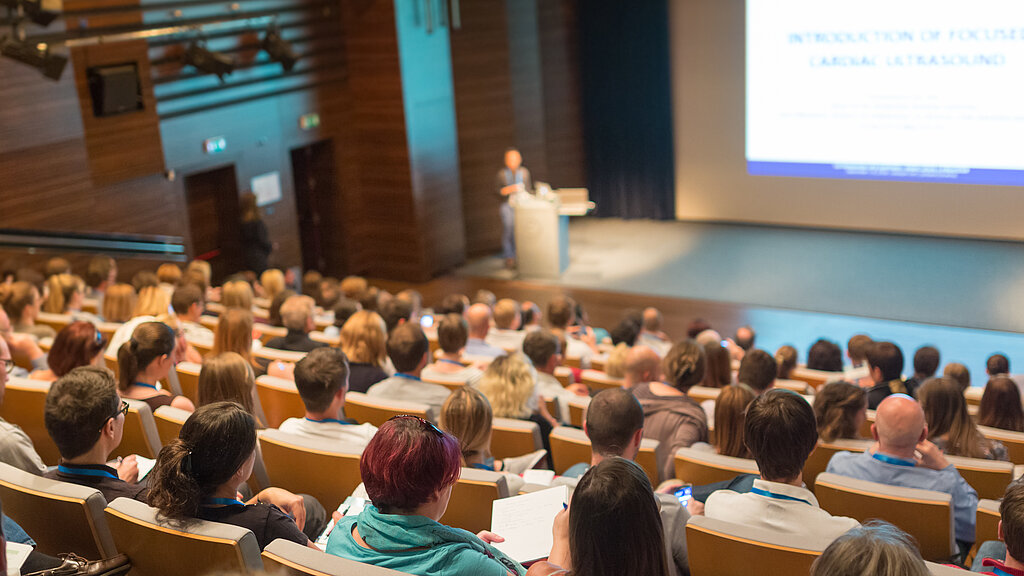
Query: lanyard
x=761, y=492
x=87, y=472
x=408, y=376
x=145, y=385
x=222, y=502
x=447, y=361
x=891, y=460
x=335, y=420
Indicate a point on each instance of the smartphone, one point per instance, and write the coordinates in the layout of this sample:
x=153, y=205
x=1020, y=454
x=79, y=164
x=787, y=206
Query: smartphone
x=426, y=321
x=684, y=493
x=725, y=343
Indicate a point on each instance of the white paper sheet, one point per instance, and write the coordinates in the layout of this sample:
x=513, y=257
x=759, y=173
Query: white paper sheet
x=525, y=522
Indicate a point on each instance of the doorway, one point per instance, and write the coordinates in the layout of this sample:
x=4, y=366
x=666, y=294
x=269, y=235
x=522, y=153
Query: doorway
x=212, y=198
x=316, y=201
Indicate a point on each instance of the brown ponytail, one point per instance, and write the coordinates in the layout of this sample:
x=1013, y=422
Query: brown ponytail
x=149, y=341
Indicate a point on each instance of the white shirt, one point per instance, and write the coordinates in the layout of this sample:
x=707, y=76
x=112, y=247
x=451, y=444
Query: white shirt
x=349, y=434
x=506, y=339
x=579, y=349
x=196, y=333
x=408, y=389
x=776, y=506
x=466, y=375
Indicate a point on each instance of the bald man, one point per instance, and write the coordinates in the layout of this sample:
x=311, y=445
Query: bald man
x=478, y=319
x=902, y=456
x=642, y=365
x=651, y=334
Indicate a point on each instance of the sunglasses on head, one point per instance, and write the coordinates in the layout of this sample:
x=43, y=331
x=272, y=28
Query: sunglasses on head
x=427, y=425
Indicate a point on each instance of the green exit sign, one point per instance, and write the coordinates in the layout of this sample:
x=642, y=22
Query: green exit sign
x=215, y=145
x=309, y=121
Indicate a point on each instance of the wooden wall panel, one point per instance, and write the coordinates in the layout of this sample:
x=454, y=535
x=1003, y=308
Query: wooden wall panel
x=560, y=71
x=52, y=117
x=527, y=85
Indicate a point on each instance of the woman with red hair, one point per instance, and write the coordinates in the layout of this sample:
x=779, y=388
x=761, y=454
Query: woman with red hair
x=77, y=344
x=408, y=470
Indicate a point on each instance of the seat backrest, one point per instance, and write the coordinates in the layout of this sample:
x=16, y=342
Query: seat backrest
x=470, y=504
x=1014, y=442
x=600, y=381
x=188, y=379
x=572, y=361
x=140, y=434
x=55, y=321
x=59, y=516
x=564, y=375
x=326, y=470
x=865, y=426
x=569, y=446
x=987, y=523
x=818, y=461
x=510, y=437
x=280, y=400
x=727, y=549
x=169, y=421
x=647, y=458
x=700, y=467
x=287, y=557
x=24, y=404
x=318, y=336
x=578, y=410
x=111, y=363
x=274, y=354
x=159, y=548
x=377, y=411
x=268, y=333
x=701, y=393
x=924, y=514
x=448, y=383
x=973, y=395
x=815, y=378
x=989, y=478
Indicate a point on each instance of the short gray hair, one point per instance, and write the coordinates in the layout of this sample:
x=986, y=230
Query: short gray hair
x=877, y=548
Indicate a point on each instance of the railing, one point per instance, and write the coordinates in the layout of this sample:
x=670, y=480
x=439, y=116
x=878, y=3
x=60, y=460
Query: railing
x=171, y=248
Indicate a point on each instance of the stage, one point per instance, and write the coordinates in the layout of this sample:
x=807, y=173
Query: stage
x=797, y=285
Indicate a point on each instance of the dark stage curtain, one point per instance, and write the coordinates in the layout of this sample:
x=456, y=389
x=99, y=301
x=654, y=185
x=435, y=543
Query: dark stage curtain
x=627, y=107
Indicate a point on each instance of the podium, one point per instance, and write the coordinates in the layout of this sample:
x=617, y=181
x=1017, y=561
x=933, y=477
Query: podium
x=542, y=231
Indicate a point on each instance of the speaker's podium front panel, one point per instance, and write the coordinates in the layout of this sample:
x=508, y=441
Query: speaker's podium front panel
x=542, y=238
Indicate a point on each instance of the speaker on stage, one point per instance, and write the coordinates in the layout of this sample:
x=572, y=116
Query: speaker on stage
x=114, y=89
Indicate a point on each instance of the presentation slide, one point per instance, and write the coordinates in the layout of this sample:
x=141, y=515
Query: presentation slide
x=912, y=90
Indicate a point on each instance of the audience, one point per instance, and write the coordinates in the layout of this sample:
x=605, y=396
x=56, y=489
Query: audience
x=169, y=276
x=274, y=310
x=478, y=320
x=322, y=381
x=857, y=351
x=885, y=361
x=144, y=361
x=452, y=335
x=272, y=283
x=544, y=349
x=152, y=302
x=786, y=358
x=118, y=303
x=730, y=411
x=903, y=456
x=926, y=362
x=876, y=548
x=66, y=295
x=16, y=448
x=234, y=334
x=364, y=342
x=757, y=370
x=745, y=337
x=950, y=426
x=506, y=334
x=1001, y=405
x=24, y=346
x=510, y=385
x=840, y=409
x=1001, y=558
x=718, y=372
x=825, y=356
x=642, y=365
x=343, y=309
x=959, y=373
x=561, y=315
x=100, y=275
x=409, y=351
x=396, y=311
x=236, y=294
x=670, y=416
x=21, y=301
x=297, y=316
x=228, y=377
x=650, y=334
x=188, y=302
x=77, y=344
x=997, y=365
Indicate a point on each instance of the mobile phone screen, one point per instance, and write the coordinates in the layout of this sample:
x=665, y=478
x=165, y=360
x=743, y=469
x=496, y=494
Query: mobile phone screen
x=684, y=493
x=426, y=321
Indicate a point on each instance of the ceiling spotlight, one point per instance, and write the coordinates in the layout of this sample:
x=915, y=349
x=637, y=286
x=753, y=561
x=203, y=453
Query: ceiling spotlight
x=37, y=56
x=208, y=61
x=279, y=49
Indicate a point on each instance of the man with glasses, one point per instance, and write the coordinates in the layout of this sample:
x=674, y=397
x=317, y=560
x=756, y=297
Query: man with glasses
x=85, y=417
x=16, y=448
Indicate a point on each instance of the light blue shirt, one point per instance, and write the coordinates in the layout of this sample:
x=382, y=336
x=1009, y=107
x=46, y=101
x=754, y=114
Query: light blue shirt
x=477, y=347
x=864, y=466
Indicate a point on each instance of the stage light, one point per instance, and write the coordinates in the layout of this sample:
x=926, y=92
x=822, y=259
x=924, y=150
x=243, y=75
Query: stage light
x=279, y=49
x=37, y=56
x=208, y=61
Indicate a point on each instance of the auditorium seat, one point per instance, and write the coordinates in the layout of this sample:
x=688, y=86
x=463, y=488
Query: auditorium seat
x=572, y=361
x=268, y=333
x=571, y=446
x=107, y=329
x=511, y=437
x=333, y=341
x=1014, y=441
x=188, y=379
x=169, y=421
x=140, y=434
x=110, y=361
x=814, y=378
x=327, y=470
x=699, y=467
x=275, y=355
x=598, y=381
x=865, y=427
x=818, y=461
x=599, y=362
x=157, y=547
x=989, y=478
x=377, y=411
x=55, y=321
x=555, y=409
x=986, y=525
x=578, y=410
x=23, y=404
x=719, y=548
x=209, y=321
x=203, y=348
x=798, y=386
x=60, y=517
x=452, y=385
x=470, y=504
x=284, y=557
x=701, y=393
x=924, y=514
x=973, y=395
x=280, y=400
x=564, y=375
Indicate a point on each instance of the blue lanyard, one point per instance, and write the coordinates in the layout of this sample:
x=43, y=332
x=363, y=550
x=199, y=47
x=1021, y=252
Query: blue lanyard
x=999, y=572
x=335, y=420
x=222, y=501
x=409, y=376
x=145, y=385
x=891, y=460
x=768, y=494
x=87, y=472
x=447, y=361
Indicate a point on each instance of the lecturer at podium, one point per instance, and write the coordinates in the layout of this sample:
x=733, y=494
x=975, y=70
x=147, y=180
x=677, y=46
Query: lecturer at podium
x=513, y=179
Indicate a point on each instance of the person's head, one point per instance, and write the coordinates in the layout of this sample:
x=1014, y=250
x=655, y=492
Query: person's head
x=452, y=333
x=322, y=379
x=187, y=301
x=216, y=447
x=745, y=337
x=875, y=548
x=697, y=326
x=343, y=309
x=652, y=319
x=328, y=294
x=561, y=312
x=997, y=364
x=148, y=351
x=83, y=409
x=453, y=304
x=236, y=294
x=364, y=338
x=683, y=366
x=544, y=349
x=57, y=265
x=370, y=298
x=615, y=364
x=615, y=423
x=1011, y=523
x=410, y=465
x=353, y=286
x=531, y=315
x=1000, y=405
x=926, y=362
x=513, y=160
x=152, y=301
x=945, y=412
x=297, y=314
x=272, y=281
x=506, y=314
x=311, y=283
x=467, y=416
x=21, y=301
x=485, y=297
x=730, y=412
x=65, y=293
x=857, y=348
x=780, y=432
x=201, y=268
x=408, y=348
x=168, y=273
x=249, y=207
x=234, y=333
x=478, y=319
x=840, y=408
x=625, y=332
x=719, y=366
x=274, y=310
x=885, y=360
x=826, y=356
x=77, y=344
x=145, y=279
x=642, y=365
x=899, y=424
x=614, y=523
x=959, y=373
x=226, y=377
x=786, y=358
x=101, y=272
x=508, y=383
x=757, y=370
x=396, y=311
x=119, y=302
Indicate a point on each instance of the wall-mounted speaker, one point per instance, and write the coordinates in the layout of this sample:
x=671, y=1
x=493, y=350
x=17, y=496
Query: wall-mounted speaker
x=115, y=89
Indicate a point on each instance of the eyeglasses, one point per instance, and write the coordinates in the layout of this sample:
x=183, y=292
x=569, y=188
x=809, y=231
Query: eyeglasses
x=122, y=410
x=427, y=425
x=8, y=365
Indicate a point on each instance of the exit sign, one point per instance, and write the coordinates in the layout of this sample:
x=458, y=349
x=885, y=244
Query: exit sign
x=215, y=145
x=309, y=121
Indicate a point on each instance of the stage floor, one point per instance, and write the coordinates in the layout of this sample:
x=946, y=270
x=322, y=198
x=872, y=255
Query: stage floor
x=964, y=296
